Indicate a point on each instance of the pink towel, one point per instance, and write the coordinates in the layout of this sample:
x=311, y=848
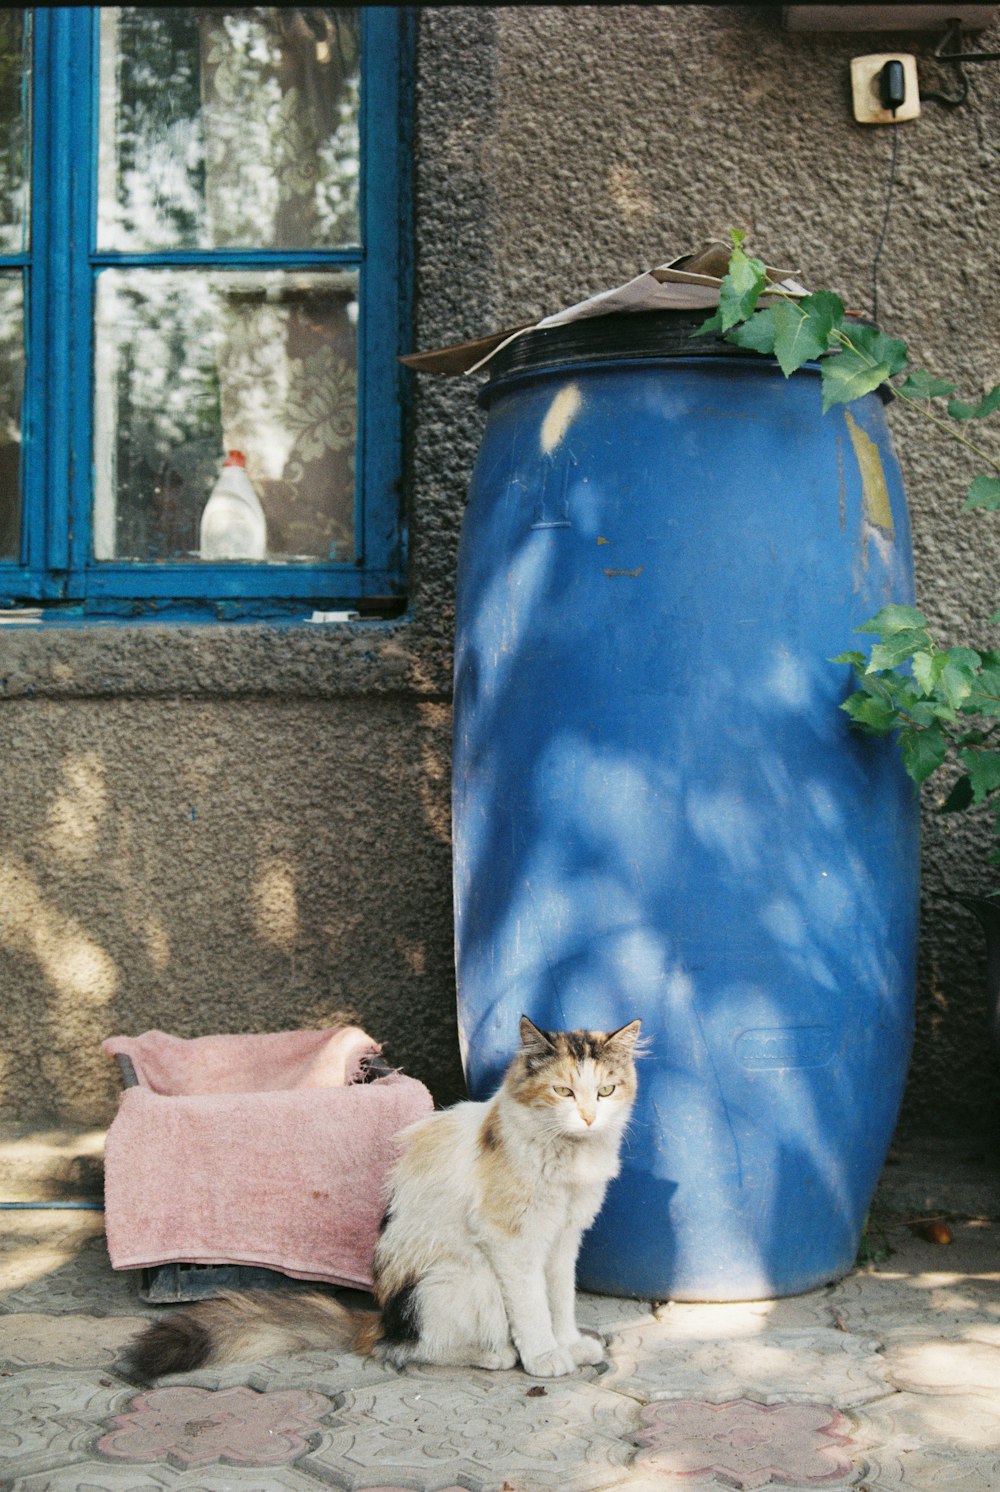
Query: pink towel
x=255, y=1150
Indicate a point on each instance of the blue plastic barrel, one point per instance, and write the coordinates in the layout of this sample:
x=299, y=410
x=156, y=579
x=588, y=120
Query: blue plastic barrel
x=659, y=810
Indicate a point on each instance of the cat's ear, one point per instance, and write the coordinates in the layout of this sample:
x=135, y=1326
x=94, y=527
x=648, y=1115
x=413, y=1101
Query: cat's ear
x=626, y=1037
x=532, y=1037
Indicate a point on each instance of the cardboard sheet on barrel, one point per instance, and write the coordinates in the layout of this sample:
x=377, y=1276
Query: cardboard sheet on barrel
x=690, y=282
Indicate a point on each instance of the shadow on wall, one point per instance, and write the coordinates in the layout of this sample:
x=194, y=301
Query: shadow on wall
x=239, y=866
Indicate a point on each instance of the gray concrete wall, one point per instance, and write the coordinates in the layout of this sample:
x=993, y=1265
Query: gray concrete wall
x=236, y=828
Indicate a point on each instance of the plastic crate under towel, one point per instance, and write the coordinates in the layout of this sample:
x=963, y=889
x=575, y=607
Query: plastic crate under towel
x=244, y=1162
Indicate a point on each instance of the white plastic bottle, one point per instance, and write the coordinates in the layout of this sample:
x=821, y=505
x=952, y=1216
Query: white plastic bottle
x=233, y=525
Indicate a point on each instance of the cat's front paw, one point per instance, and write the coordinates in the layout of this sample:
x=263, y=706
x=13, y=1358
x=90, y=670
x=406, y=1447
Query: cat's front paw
x=586, y=1350
x=552, y=1364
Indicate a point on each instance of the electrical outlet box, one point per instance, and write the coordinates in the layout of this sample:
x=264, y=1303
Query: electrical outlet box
x=865, y=75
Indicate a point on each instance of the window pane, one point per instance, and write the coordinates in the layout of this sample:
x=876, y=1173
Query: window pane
x=14, y=174
x=228, y=129
x=11, y=390
x=191, y=364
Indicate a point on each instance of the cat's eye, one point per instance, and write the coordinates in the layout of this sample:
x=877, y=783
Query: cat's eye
x=607, y=1090
x=563, y=1092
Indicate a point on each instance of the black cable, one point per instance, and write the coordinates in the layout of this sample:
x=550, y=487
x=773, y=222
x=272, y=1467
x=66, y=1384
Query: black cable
x=885, y=221
x=953, y=38
x=943, y=98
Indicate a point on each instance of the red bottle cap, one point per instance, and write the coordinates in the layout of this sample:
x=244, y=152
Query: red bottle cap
x=235, y=458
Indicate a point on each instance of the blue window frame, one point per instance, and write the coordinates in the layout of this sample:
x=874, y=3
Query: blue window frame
x=69, y=269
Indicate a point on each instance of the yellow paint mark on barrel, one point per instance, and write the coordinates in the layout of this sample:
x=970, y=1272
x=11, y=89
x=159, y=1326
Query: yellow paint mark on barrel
x=874, y=492
x=559, y=417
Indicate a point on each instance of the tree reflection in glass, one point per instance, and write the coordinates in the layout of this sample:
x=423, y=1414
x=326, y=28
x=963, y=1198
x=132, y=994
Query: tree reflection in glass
x=14, y=173
x=15, y=81
x=228, y=129
x=11, y=392
x=192, y=363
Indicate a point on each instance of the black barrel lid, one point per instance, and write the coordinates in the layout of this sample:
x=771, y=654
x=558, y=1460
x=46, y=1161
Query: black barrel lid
x=621, y=335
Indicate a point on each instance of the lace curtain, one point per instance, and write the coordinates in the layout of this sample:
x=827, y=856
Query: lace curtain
x=220, y=130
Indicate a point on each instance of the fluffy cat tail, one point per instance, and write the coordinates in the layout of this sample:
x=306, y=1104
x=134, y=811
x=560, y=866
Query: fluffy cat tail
x=245, y=1328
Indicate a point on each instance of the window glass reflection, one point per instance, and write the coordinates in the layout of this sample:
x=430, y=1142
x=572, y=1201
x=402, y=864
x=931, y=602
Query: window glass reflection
x=11, y=392
x=191, y=364
x=14, y=136
x=229, y=128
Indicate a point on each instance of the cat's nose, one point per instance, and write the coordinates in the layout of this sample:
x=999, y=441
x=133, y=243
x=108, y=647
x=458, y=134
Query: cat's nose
x=588, y=1118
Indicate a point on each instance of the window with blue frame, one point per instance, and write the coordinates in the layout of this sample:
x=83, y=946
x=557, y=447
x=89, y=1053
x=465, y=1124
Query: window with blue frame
x=203, y=234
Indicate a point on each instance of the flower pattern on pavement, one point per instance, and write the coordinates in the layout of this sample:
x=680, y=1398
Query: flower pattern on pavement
x=198, y=1426
x=751, y=1445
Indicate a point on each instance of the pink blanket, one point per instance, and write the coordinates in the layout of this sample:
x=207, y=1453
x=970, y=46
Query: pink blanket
x=258, y=1150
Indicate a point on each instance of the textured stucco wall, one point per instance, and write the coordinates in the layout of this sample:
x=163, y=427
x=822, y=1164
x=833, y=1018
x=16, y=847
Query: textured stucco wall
x=559, y=150
x=219, y=865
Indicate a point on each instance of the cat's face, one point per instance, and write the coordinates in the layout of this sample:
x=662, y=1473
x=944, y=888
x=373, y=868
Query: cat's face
x=582, y=1082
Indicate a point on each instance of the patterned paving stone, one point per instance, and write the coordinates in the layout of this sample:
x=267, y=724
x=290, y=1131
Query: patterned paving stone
x=58, y=1261
x=898, y=1295
x=747, y=1445
x=931, y=1471
x=478, y=1430
x=797, y=1364
x=686, y=1319
x=188, y=1427
x=928, y=1365
x=49, y=1418
x=32, y=1339
x=923, y=1444
x=610, y=1313
x=92, y=1476
x=321, y=1371
x=651, y=1481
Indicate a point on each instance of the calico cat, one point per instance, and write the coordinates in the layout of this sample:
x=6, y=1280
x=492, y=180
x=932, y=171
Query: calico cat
x=476, y=1259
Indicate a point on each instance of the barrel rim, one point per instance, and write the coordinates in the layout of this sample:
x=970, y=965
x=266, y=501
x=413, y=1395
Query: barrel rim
x=631, y=338
x=491, y=390
x=632, y=334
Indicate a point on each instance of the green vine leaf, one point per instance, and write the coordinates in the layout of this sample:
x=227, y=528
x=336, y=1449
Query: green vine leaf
x=921, y=385
x=848, y=376
x=802, y=331
x=872, y=713
x=900, y=646
x=959, y=410
x=958, y=675
x=713, y=324
x=984, y=772
x=927, y=669
x=825, y=306
x=894, y=618
x=741, y=288
x=984, y=493
x=757, y=333
x=967, y=660
x=923, y=751
x=878, y=348
x=985, y=697
x=856, y=660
